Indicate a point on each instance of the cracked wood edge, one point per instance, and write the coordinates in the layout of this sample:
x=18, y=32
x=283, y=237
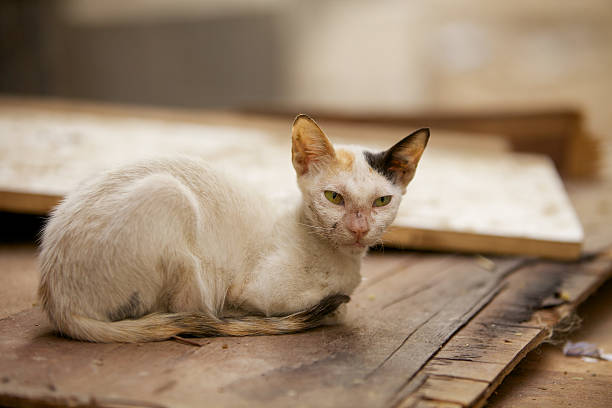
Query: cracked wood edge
x=448, y=363
x=417, y=347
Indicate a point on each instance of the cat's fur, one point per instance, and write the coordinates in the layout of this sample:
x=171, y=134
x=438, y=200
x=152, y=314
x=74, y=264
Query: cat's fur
x=170, y=246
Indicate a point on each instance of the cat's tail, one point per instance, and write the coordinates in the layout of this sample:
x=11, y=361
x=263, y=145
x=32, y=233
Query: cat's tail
x=162, y=326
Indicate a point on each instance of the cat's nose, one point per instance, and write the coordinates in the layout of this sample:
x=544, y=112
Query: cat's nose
x=358, y=225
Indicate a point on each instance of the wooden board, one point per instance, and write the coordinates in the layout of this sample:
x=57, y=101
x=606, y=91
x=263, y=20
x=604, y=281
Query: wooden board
x=474, y=197
x=334, y=366
x=555, y=132
x=547, y=377
x=411, y=340
x=494, y=342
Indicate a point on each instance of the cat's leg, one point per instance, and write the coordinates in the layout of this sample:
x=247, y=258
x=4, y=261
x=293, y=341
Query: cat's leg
x=276, y=294
x=175, y=224
x=158, y=228
x=185, y=290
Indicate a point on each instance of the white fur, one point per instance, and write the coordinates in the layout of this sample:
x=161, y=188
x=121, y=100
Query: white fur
x=179, y=236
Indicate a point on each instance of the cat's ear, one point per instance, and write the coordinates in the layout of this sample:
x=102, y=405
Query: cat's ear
x=310, y=147
x=399, y=163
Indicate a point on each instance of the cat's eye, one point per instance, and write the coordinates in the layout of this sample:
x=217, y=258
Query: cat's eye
x=382, y=201
x=334, y=197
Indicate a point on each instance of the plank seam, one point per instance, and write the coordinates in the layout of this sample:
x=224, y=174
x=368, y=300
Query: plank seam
x=466, y=360
x=423, y=323
x=452, y=377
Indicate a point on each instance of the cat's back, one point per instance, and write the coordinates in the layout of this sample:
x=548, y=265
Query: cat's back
x=179, y=194
x=210, y=185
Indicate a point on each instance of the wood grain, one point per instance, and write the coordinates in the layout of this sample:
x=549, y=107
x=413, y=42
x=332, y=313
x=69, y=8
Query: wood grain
x=549, y=378
x=401, y=345
x=557, y=133
x=513, y=324
x=366, y=360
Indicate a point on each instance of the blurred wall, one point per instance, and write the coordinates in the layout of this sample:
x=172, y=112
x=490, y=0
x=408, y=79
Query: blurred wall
x=455, y=54
x=386, y=55
x=116, y=51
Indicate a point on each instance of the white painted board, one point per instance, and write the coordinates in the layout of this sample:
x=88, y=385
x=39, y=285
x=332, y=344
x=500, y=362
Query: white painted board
x=461, y=198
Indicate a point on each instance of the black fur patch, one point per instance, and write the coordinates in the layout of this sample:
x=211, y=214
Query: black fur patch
x=323, y=308
x=200, y=324
x=379, y=162
x=382, y=162
x=129, y=310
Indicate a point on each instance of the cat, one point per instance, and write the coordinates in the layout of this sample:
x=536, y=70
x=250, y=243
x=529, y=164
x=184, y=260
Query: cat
x=171, y=246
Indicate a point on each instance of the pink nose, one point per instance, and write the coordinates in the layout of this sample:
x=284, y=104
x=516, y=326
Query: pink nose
x=358, y=225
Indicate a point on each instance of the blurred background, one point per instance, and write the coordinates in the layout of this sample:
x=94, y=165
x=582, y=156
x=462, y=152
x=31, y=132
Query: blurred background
x=537, y=74
x=354, y=56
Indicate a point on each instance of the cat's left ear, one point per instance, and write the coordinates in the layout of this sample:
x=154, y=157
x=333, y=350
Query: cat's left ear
x=399, y=163
x=310, y=147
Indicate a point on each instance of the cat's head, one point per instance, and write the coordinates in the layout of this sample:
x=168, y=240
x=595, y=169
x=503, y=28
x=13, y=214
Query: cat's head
x=351, y=195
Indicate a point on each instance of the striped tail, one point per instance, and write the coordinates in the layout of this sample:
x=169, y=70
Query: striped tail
x=162, y=326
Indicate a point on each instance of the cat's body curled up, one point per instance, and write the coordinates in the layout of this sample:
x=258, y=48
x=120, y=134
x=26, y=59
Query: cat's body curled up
x=170, y=246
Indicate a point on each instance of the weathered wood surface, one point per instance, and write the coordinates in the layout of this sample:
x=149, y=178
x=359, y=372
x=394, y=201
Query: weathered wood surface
x=404, y=314
x=396, y=321
x=548, y=378
x=593, y=203
x=470, y=194
x=557, y=133
x=514, y=323
x=18, y=278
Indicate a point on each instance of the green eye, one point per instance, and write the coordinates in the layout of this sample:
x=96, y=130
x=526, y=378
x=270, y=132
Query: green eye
x=382, y=201
x=334, y=197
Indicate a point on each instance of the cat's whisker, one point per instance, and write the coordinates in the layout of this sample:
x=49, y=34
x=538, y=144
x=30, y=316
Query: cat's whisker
x=316, y=227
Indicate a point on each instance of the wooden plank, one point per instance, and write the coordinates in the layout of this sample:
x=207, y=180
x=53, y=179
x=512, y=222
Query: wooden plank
x=497, y=203
x=557, y=133
x=448, y=316
x=325, y=367
x=535, y=387
x=593, y=203
x=28, y=202
x=459, y=390
x=18, y=278
x=419, y=238
x=456, y=367
x=401, y=295
x=474, y=206
x=513, y=324
x=549, y=378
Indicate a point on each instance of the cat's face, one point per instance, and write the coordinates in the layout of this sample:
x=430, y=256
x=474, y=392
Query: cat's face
x=351, y=195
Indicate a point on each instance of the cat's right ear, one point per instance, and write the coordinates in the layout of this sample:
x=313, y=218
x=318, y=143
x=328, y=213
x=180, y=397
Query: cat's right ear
x=399, y=163
x=310, y=147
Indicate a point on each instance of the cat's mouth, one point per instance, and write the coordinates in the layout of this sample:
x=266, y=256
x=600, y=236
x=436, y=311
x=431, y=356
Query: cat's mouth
x=357, y=244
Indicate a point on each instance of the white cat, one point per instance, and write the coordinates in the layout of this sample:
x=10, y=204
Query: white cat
x=170, y=246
